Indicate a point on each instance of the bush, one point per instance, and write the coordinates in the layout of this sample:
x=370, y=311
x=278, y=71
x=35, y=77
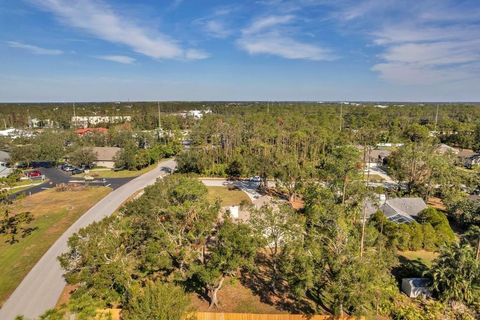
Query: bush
x=159, y=301
x=432, y=232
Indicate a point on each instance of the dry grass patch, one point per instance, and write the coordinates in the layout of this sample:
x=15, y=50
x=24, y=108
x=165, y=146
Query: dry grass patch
x=53, y=213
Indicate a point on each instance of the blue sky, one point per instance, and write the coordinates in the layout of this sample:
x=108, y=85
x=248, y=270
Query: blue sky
x=103, y=50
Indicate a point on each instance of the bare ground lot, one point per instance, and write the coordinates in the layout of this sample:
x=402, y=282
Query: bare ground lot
x=234, y=297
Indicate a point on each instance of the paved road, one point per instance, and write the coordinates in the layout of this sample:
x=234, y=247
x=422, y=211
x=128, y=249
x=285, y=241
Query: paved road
x=57, y=176
x=41, y=288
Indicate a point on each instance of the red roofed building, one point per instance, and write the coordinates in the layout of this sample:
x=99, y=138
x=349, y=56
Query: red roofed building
x=84, y=131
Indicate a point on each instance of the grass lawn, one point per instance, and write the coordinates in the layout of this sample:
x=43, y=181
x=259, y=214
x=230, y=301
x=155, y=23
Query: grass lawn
x=425, y=256
x=53, y=212
x=227, y=197
x=102, y=173
x=26, y=184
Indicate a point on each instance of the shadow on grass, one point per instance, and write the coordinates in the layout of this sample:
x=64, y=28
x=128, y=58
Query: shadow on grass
x=409, y=269
x=277, y=293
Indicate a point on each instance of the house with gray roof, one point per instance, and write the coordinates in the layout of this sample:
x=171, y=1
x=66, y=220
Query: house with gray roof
x=4, y=157
x=105, y=156
x=403, y=210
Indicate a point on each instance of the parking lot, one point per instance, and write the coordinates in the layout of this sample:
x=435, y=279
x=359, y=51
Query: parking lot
x=56, y=176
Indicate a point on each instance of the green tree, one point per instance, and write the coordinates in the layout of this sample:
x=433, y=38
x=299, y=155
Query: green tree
x=51, y=146
x=15, y=224
x=277, y=226
x=83, y=157
x=24, y=154
x=439, y=222
x=456, y=274
x=127, y=157
x=341, y=169
x=236, y=168
x=232, y=249
x=156, y=300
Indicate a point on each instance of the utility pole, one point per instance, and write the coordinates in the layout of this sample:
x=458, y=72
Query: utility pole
x=341, y=117
x=268, y=106
x=74, y=116
x=29, y=119
x=159, y=120
x=436, y=119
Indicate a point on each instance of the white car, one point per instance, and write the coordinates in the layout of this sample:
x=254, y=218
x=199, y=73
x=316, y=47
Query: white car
x=255, y=179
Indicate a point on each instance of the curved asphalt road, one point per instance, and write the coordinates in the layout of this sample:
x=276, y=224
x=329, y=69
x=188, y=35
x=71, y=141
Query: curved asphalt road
x=41, y=288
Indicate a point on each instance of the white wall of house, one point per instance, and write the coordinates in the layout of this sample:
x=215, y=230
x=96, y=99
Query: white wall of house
x=106, y=164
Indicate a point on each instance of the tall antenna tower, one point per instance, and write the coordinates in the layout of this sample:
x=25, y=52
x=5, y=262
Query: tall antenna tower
x=436, y=118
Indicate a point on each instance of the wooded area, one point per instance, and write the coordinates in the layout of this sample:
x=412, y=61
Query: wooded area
x=327, y=255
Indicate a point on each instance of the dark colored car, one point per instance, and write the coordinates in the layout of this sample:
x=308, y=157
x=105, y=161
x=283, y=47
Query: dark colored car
x=77, y=171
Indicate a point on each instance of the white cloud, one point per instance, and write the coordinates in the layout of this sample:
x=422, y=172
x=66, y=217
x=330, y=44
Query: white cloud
x=118, y=58
x=421, y=42
x=34, y=49
x=195, y=54
x=284, y=47
x=270, y=35
x=101, y=21
x=267, y=22
x=217, y=29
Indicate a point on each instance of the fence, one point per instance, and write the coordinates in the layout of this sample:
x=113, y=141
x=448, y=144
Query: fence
x=252, y=316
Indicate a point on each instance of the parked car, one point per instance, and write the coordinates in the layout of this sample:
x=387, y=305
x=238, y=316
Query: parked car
x=35, y=174
x=255, y=179
x=77, y=171
x=67, y=167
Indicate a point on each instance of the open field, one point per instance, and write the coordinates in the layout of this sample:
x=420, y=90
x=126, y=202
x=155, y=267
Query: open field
x=107, y=173
x=228, y=197
x=53, y=212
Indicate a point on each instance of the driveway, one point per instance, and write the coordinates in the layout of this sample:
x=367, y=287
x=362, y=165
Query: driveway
x=247, y=186
x=41, y=288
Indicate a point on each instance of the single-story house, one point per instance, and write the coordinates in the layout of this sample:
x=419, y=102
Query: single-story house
x=415, y=287
x=105, y=156
x=403, y=210
x=4, y=160
x=4, y=157
x=5, y=171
